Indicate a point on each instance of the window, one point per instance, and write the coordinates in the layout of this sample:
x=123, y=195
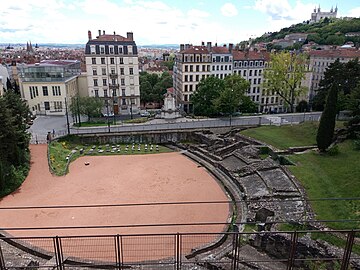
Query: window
x=259, y=72
x=186, y=88
x=45, y=91
x=197, y=68
x=113, y=81
x=58, y=105
x=244, y=74
x=95, y=82
x=102, y=61
x=94, y=72
x=122, y=81
x=131, y=71
x=102, y=49
x=123, y=92
x=197, y=78
x=121, y=60
x=120, y=49
x=111, y=50
x=114, y=92
x=186, y=68
x=123, y=101
x=190, y=87
x=96, y=93
x=112, y=71
x=93, y=60
x=56, y=91
x=250, y=72
x=103, y=71
x=104, y=82
x=191, y=78
x=47, y=105
x=186, y=78
x=112, y=62
x=122, y=71
x=255, y=72
x=105, y=93
x=259, y=80
x=191, y=68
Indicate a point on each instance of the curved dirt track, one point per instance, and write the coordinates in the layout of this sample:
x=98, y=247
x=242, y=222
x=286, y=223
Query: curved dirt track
x=168, y=177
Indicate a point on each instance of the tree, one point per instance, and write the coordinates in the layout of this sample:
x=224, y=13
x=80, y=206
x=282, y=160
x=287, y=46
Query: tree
x=203, y=100
x=302, y=106
x=153, y=87
x=346, y=75
x=284, y=74
x=326, y=128
x=89, y=106
x=231, y=96
x=14, y=142
x=247, y=105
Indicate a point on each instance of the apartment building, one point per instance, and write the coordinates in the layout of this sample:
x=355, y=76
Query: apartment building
x=250, y=65
x=320, y=61
x=112, y=71
x=192, y=64
x=222, y=61
x=48, y=85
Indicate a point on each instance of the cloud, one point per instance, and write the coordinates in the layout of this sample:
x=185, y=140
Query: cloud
x=197, y=13
x=355, y=12
x=228, y=10
x=276, y=9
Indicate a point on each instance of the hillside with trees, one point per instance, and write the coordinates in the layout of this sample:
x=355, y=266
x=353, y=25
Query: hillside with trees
x=325, y=32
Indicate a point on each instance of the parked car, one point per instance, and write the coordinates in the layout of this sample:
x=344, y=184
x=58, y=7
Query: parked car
x=144, y=114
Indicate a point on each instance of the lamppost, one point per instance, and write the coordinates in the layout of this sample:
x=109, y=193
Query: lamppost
x=67, y=117
x=78, y=110
x=131, y=107
x=107, y=113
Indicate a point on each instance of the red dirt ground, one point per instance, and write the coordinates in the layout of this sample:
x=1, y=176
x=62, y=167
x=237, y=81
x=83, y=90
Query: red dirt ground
x=168, y=177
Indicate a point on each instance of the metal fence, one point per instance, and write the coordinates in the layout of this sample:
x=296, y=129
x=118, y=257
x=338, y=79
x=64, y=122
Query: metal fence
x=265, y=250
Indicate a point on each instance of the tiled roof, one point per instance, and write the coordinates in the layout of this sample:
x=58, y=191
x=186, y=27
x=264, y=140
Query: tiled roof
x=252, y=55
x=220, y=50
x=111, y=38
x=196, y=49
x=344, y=53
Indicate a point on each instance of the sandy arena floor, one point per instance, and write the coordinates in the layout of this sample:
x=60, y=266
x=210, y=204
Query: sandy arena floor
x=168, y=177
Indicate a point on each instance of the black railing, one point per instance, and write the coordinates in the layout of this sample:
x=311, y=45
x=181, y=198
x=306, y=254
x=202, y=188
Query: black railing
x=280, y=250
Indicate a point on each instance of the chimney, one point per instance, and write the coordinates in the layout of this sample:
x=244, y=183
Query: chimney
x=231, y=47
x=130, y=36
x=103, y=32
x=99, y=33
x=182, y=47
x=187, y=46
x=202, y=43
x=89, y=35
x=209, y=46
x=114, y=33
x=224, y=45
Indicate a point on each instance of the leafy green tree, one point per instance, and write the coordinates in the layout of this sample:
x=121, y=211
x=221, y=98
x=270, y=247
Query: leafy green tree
x=284, y=74
x=208, y=90
x=91, y=106
x=302, y=106
x=247, y=105
x=153, y=87
x=14, y=142
x=231, y=96
x=345, y=75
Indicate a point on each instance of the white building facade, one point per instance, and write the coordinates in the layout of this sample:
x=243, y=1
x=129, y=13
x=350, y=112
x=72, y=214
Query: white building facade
x=112, y=71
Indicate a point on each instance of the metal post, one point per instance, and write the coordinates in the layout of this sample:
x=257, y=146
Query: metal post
x=118, y=252
x=178, y=251
x=347, y=251
x=107, y=114
x=67, y=118
x=2, y=261
x=78, y=110
x=235, y=251
x=291, y=259
x=58, y=253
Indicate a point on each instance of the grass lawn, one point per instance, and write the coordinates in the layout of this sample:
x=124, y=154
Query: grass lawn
x=283, y=137
x=60, y=150
x=325, y=176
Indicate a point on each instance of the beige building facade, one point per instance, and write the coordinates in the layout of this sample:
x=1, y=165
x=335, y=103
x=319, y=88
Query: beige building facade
x=49, y=85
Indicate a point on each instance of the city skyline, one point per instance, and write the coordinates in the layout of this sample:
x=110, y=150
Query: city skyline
x=156, y=22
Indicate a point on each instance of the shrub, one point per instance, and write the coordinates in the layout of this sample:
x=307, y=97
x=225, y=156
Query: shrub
x=357, y=144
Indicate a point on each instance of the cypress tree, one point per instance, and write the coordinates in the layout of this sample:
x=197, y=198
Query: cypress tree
x=326, y=128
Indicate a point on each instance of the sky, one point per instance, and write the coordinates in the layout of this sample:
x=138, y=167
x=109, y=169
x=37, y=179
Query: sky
x=156, y=22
